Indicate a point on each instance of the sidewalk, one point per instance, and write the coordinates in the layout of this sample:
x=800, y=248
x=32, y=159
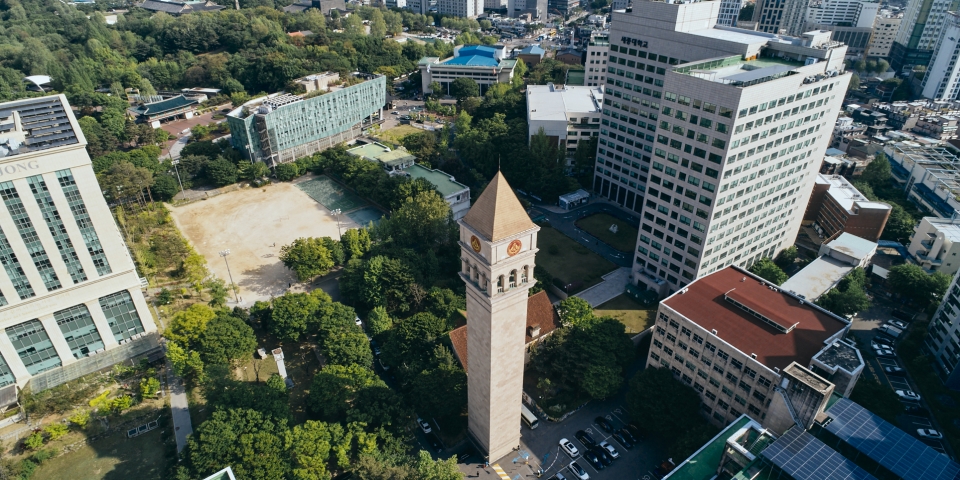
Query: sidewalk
x=179, y=408
x=613, y=285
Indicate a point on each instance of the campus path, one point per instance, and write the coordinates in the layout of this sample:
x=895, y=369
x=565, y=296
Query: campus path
x=613, y=284
x=179, y=408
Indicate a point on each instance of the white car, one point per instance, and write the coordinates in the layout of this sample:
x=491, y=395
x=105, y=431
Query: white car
x=569, y=447
x=610, y=450
x=931, y=434
x=424, y=425
x=578, y=471
x=908, y=395
x=357, y=320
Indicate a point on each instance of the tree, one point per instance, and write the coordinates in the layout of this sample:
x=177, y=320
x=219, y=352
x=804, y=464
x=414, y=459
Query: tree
x=307, y=257
x=666, y=419
x=221, y=172
x=33, y=441
x=149, y=387
x=845, y=302
x=464, y=87
x=185, y=364
x=854, y=84
x=356, y=242
x=335, y=388
x=422, y=221
x=436, y=89
x=786, y=257
x=218, y=292
x=878, y=399
x=347, y=347
x=287, y=171
x=766, y=269
x=378, y=321
x=124, y=181
x=877, y=174
x=912, y=283
x=430, y=469
x=379, y=281
x=310, y=447
x=165, y=187
x=574, y=311
x=900, y=224
x=188, y=325
x=293, y=315
x=227, y=340
x=55, y=431
x=250, y=442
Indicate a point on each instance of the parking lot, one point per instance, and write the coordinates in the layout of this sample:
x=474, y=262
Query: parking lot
x=917, y=415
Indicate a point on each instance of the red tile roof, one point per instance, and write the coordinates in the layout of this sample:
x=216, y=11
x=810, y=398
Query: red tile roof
x=540, y=312
x=704, y=304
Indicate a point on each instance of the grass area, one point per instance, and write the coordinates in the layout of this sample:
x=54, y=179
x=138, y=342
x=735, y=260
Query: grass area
x=568, y=260
x=633, y=315
x=598, y=225
x=397, y=133
x=116, y=457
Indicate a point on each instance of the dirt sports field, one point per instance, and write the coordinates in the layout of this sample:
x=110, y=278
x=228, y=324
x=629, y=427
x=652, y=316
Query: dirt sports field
x=254, y=223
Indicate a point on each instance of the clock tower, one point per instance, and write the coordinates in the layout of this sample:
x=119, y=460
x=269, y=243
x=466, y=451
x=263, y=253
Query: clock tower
x=498, y=244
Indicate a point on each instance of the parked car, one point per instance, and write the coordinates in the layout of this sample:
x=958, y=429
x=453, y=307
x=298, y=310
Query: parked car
x=908, y=395
x=882, y=340
x=931, y=434
x=578, y=471
x=384, y=366
x=424, y=425
x=569, y=447
x=558, y=476
x=612, y=452
x=435, y=444
x=897, y=323
x=622, y=439
x=585, y=438
x=593, y=459
x=604, y=424
x=602, y=454
x=884, y=352
x=894, y=371
x=629, y=435
x=357, y=320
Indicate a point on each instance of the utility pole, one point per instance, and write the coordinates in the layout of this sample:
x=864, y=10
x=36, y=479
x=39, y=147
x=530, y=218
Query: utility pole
x=175, y=169
x=224, y=253
x=337, y=213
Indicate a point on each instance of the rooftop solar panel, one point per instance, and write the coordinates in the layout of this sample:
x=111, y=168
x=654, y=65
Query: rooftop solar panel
x=45, y=121
x=804, y=457
x=886, y=444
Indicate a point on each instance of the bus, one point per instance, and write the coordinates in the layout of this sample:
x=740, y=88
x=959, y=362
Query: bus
x=528, y=417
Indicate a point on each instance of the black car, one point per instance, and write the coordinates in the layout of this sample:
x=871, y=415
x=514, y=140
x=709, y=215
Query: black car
x=604, y=424
x=894, y=371
x=603, y=455
x=622, y=439
x=883, y=339
x=585, y=439
x=593, y=459
x=628, y=435
x=434, y=443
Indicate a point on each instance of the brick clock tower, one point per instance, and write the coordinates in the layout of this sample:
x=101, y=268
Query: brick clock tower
x=498, y=243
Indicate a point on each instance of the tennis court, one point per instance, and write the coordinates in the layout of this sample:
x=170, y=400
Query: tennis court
x=365, y=215
x=330, y=194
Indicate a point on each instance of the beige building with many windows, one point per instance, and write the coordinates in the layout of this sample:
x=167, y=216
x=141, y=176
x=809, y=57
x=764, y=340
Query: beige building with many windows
x=70, y=299
x=734, y=338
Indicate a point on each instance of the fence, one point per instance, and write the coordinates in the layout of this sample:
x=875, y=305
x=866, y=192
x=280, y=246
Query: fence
x=87, y=365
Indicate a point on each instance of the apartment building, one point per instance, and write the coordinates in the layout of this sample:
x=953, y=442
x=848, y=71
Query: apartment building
x=460, y=8
x=923, y=20
x=714, y=135
x=780, y=16
x=930, y=176
x=734, y=338
x=568, y=115
x=851, y=21
x=536, y=8
x=935, y=244
x=595, y=60
x=885, y=29
x=729, y=12
x=281, y=128
x=943, y=338
x=942, y=81
x=70, y=299
x=837, y=206
x=486, y=65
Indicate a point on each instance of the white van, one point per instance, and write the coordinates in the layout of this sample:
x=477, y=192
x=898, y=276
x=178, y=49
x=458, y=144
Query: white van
x=528, y=417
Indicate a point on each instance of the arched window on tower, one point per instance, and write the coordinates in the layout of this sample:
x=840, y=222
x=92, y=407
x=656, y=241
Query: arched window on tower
x=513, y=279
x=500, y=284
x=525, y=275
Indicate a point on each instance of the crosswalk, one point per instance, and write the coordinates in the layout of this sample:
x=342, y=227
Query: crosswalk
x=503, y=475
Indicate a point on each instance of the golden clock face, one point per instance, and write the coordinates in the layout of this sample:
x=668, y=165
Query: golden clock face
x=514, y=247
x=475, y=244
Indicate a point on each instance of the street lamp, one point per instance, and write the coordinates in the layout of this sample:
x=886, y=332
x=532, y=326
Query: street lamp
x=337, y=213
x=175, y=169
x=224, y=253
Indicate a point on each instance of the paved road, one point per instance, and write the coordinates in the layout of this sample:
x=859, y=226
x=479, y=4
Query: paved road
x=565, y=222
x=179, y=408
x=178, y=146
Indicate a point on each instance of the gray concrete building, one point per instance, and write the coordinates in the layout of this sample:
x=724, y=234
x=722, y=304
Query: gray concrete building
x=714, y=135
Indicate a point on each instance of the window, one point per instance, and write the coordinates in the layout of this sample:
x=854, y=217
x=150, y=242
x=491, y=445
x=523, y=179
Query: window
x=763, y=381
x=731, y=378
x=737, y=364
x=121, y=315
x=722, y=355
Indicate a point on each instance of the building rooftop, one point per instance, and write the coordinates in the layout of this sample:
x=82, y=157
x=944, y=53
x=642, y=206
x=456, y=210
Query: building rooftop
x=776, y=326
x=497, y=214
x=840, y=354
x=35, y=124
x=550, y=102
x=818, y=277
x=804, y=457
x=163, y=106
x=852, y=245
x=444, y=182
x=532, y=50
x=950, y=228
x=735, y=35
x=702, y=465
x=378, y=152
x=540, y=314
x=736, y=71
x=846, y=195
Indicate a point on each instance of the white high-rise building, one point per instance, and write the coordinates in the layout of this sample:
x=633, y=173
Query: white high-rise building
x=885, y=29
x=942, y=81
x=852, y=13
x=595, y=63
x=793, y=17
x=919, y=32
x=714, y=135
x=460, y=8
x=729, y=12
x=70, y=300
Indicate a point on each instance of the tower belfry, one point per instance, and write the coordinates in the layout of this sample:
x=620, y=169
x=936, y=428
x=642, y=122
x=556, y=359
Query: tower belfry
x=498, y=244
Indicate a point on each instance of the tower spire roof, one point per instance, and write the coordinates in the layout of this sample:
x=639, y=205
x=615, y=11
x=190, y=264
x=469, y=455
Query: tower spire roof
x=497, y=214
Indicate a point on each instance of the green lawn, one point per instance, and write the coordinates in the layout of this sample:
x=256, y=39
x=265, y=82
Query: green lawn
x=634, y=316
x=146, y=457
x=571, y=261
x=397, y=133
x=598, y=225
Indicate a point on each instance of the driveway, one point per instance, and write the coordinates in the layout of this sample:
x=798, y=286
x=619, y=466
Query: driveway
x=564, y=221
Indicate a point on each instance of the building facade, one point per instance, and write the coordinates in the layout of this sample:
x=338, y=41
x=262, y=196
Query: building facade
x=935, y=245
x=732, y=337
x=498, y=245
x=714, y=135
x=837, y=206
x=928, y=175
x=885, y=29
x=942, y=81
x=919, y=32
x=486, y=65
x=70, y=296
x=460, y=8
x=941, y=342
x=780, y=16
x=729, y=12
x=536, y=8
x=281, y=128
x=568, y=115
x=595, y=60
